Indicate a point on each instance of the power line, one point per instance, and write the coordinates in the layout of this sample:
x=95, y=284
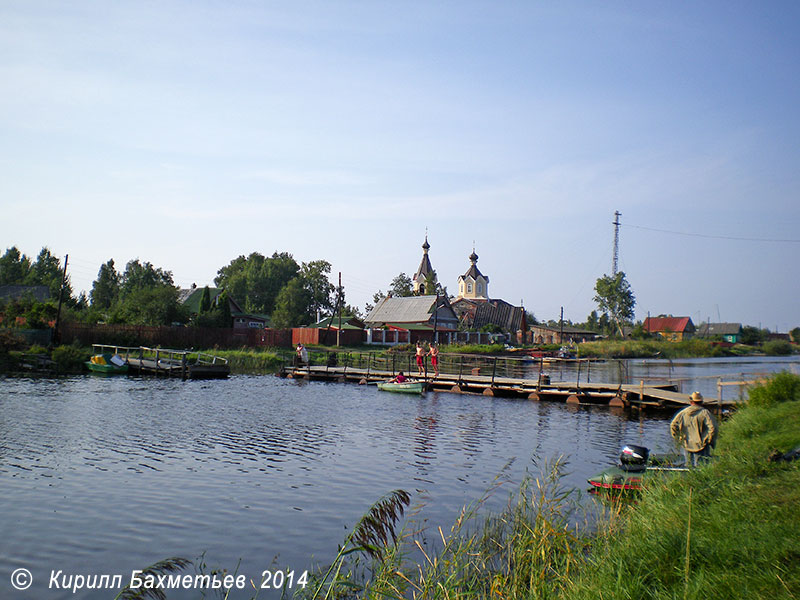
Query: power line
x=714, y=237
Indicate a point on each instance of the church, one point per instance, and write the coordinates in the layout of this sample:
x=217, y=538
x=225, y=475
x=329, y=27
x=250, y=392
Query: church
x=473, y=306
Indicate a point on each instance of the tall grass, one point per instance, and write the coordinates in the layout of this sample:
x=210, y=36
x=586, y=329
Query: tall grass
x=254, y=362
x=530, y=549
x=726, y=530
x=648, y=349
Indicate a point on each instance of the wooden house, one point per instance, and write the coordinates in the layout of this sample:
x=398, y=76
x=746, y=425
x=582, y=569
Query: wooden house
x=729, y=332
x=417, y=315
x=240, y=319
x=673, y=329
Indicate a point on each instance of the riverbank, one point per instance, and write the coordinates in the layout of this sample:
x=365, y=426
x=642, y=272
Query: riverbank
x=727, y=530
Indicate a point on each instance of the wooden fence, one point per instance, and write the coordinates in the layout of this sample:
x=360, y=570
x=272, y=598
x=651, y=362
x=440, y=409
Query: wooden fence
x=174, y=337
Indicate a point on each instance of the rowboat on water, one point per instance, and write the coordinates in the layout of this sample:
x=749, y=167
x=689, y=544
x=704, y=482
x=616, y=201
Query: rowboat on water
x=407, y=387
x=111, y=364
x=635, y=466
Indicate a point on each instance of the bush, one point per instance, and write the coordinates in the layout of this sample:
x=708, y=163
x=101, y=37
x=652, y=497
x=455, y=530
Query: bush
x=10, y=341
x=69, y=358
x=778, y=348
x=783, y=387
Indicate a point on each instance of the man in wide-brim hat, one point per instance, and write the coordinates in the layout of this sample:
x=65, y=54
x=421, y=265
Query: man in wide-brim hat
x=695, y=429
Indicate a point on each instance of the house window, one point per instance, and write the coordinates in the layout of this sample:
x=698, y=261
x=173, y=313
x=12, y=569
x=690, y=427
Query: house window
x=469, y=288
x=480, y=288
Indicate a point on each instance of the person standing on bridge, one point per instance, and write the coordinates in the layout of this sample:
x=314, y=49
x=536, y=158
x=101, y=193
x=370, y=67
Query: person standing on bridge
x=695, y=429
x=420, y=358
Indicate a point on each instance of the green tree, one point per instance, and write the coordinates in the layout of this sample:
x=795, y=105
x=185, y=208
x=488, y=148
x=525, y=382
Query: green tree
x=14, y=267
x=615, y=299
x=205, y=301
x=105, y=289
x=139, y=276
x=795, y=333
x=147, y=297
x=47, y=270
x=753, y=335
x=157, y=305
x=314, y=275
x=292, y=306
x=401, y=286
x=255, y=281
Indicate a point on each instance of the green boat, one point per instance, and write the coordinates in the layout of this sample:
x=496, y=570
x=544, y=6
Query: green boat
x=110, y=364
x=407, y=387
x=635, y=465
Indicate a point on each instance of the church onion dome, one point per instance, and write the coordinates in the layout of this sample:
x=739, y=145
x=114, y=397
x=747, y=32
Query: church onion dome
x=426, y=246
x=473, y=258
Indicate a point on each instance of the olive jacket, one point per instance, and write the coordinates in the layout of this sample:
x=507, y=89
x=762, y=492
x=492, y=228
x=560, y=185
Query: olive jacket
x=695, y=428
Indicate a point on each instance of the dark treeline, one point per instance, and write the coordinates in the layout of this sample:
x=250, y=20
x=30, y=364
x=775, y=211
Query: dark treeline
x=278, y=287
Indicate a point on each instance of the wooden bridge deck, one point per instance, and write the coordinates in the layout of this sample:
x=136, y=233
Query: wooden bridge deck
x=611, y=394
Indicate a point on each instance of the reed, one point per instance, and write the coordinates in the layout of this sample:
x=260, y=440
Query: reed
x=726, y=530
x=251, y=362
x=530, y=549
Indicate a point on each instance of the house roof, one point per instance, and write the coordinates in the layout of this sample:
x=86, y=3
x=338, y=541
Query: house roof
x=348, y=322
x=411, y=309
x=191, y=298
x=676, y=324
x=719, y=329
x=500, y=313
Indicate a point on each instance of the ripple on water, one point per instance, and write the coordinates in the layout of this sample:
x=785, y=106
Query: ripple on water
x=111, y=474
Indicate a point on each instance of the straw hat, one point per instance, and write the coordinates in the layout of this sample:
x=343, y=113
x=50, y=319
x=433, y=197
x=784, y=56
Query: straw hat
x=696, y=397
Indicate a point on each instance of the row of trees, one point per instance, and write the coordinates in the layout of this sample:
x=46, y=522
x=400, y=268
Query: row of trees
x=291, y=293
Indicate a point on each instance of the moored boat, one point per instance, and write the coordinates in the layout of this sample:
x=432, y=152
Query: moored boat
x=635, y=466
x=408, y=387
x=112, y=364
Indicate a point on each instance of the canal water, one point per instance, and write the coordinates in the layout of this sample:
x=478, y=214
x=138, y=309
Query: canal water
x=107, y=475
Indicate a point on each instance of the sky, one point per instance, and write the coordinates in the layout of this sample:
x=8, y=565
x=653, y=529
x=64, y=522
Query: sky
x=187, y=133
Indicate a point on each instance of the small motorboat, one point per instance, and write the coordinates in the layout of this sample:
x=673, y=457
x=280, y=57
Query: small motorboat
x=110, y=364
x=407, y=387
x=635, y=465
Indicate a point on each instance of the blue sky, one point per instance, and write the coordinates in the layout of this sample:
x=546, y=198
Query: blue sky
x=189, y=133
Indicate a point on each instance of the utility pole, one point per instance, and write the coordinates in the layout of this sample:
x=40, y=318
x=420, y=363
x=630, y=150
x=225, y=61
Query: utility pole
x=561, y=327
x=339, y=330
x=56, y=333
x=615, y=259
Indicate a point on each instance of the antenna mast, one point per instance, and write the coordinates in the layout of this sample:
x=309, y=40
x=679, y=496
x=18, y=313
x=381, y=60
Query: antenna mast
x=615, y=259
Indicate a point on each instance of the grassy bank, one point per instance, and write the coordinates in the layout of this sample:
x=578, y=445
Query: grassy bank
x=658, y=349
x=252, y=361
x=727, y=530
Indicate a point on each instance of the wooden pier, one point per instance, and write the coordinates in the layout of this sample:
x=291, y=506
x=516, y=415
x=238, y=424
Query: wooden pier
x=498, y=376
x=163, y=362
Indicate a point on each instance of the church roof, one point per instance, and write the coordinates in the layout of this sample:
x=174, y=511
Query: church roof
x=425, y=267
x=474, y=273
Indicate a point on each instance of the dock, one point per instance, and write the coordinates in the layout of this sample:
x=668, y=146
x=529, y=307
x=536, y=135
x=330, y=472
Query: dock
x=498, y=376
x=164, y=362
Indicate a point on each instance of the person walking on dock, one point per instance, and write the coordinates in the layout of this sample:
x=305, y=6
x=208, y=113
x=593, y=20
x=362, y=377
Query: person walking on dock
x=695, y=429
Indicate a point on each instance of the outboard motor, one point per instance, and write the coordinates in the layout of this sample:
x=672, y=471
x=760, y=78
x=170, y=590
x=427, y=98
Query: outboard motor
x=634, y=458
